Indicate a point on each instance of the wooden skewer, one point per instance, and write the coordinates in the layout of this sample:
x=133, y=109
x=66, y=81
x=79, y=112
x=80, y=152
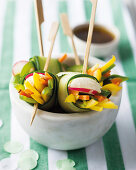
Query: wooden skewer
x=39, y=20
x=34, y=112
x=52, y=37
x=67, y=31
x=89, y=38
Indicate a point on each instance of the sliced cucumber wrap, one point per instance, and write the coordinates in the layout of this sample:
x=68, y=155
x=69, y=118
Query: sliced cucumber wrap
x=28, y=67
x=63, y=92
x=36, y=64
x=75, y=68
x=52, y=100
x=108, y=80
x=39, y=62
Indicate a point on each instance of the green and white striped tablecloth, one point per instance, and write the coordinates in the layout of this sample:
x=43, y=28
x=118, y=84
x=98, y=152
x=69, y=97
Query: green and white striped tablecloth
x=18, y=40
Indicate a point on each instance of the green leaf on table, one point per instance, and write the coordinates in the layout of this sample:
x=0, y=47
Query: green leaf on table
x=13, y=147
x=29, y=153
x=8, y=163
x=66, y=164
x=27, y=163
x=67, y=168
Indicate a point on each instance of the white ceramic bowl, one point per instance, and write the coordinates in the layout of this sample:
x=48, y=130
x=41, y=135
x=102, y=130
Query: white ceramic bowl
x=60, y=130
x=99, y=50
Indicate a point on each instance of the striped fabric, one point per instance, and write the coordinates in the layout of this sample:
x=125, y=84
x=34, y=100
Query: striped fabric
x=18, y=41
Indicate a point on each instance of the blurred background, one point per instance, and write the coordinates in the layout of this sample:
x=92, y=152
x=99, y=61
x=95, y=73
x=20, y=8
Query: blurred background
x=108, y=14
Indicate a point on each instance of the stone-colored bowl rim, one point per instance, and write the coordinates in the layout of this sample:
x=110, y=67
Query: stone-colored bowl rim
x=57, y=116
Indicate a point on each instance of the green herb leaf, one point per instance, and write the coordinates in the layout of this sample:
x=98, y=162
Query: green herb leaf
x=30, y=153
x=27, y=163
x=13, y=147
x=66, y=164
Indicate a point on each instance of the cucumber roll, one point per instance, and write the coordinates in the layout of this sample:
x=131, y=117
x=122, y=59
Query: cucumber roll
x=35, y=85
x=40, y=88
x=76, y=92
x=82, y=92
x=39, y=63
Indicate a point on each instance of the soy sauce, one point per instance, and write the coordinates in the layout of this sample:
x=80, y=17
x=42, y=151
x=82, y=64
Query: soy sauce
x=100, y=34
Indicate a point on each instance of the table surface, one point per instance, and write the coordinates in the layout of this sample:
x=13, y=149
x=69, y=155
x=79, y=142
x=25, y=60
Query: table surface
x=18, y=41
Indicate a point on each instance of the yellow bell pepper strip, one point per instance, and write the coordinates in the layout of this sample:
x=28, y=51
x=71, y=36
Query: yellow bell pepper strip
x=76, y=97
x=30, y=87
x=108, y=64
x=101, y=83
x=37, y=98
x=96, y=108
x=107, y=104
x=97, y=74
x=75, y=93
x=91, y=103
x=112, y=87
x=70, y=98
x=37, y=83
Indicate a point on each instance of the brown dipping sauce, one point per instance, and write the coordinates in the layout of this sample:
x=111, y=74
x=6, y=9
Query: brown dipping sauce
x=100, y=34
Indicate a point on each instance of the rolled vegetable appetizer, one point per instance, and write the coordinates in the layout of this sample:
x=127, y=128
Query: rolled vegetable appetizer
x=40, y=88
x=83, y=92
x=76, y=92
x=34, y=85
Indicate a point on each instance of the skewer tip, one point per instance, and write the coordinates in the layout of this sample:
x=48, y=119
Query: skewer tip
x=34, y=113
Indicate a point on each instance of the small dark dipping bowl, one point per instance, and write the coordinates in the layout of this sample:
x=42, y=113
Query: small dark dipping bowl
x=100, y=33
